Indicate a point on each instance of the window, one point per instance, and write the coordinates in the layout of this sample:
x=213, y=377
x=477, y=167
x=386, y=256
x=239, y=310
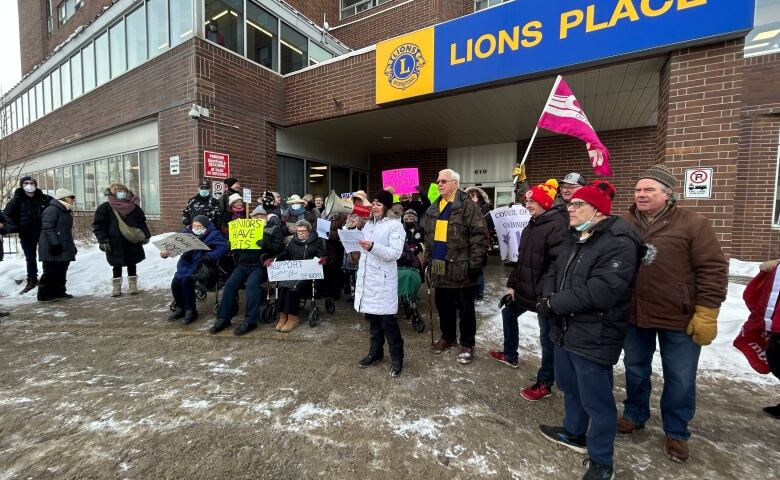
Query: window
x=227, y=15
x=25, y=110
x=181, y=20
x=19, y=113
x=101, y=178
x=136, y=38
x=483, y=4
x=289, y=176
x=46, y=87
x=77, y=172
x=67, y=93
x=353, y=7
x=776, y=211
x=67, y=8
x=89, y=186
x=359, y=181
x=116, y=36
x=102, y=67
x=765, y=36
x=39, y=109
x=317, y=54
x=132, y=178
x=88, y=67
x=115, y=171
x=150, y=182
x=157, y=26
x=261, y=36
x=293, y=50
x=56, y=93
x=339, y=179
x=317, y=178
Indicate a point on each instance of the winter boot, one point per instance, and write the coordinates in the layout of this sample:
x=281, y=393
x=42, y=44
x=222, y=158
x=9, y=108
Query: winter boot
x=281, y=322
x=395, y=367
x=245, y=327
x=219, y=325
x=132, y=285
x=176, y=314
x=32, y=282
x=597, y=471
x=676, y=450
x=292, y=323
x=372, y=358
x=116, y=283
x=189, y=316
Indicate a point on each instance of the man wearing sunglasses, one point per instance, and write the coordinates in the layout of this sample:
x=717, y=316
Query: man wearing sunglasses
x=453, y=257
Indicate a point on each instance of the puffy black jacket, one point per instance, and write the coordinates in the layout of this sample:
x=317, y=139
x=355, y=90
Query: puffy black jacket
x=56, y=229
x=25, y=212
x=590, y=287
x=208, y=206
x=540, y=243
x=301, y=250
x=106, y=229
x=272, y=244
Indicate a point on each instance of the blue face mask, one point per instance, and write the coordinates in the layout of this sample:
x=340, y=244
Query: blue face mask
x=121, y=195
x=297, y=208
x=203, y=193
x=586, y=225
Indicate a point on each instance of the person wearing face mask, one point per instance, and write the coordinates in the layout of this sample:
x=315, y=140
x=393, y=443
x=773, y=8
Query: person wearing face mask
x=587, y=298
x=121, y=231
x=182, y=285
x=203, y=203
x=419, y=205
x=212, y=33
x=296, y=211
x=236, y=209
x=304, y=245
x=25, y=210
x=56, y=247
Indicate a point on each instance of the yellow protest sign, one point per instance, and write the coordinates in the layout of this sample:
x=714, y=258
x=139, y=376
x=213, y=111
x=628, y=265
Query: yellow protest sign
x=243, y=234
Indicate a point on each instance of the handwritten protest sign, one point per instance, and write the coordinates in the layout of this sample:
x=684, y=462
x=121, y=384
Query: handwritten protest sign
x=510, y=222
x=244, y=234
x=296, y=270
x=179, y=243
x=323, y=228
x=433, y=192
x=350, y=240
x=403, y=180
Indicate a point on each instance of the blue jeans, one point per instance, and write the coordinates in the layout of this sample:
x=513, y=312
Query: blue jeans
x=680, y=361
x=183, y=291
x=481, y=286
x=30, y=249
x=588, y=402
x=546, y=373
x=253, y=277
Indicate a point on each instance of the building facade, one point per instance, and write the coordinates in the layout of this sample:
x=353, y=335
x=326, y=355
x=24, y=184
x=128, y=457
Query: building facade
x=137, y=90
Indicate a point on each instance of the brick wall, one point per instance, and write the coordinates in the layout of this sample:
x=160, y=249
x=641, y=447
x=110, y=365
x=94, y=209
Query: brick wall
x=35, y=43
x=366, y=28
x=632, y=151
x=430, y=162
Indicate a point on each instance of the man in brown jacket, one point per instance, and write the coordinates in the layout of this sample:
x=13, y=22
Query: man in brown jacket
x=679, y=289
x=455, y=243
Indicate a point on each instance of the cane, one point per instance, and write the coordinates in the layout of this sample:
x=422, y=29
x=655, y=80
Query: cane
x=430, y=300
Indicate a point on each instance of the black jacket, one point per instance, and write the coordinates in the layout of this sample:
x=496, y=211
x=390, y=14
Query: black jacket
x=106, y=229
x=590, y=287
x=56, y=229
x=540, y=243
x=301, y=250
x=25, y=212
x=225, y=215
x=208, y=206
x=272, y=244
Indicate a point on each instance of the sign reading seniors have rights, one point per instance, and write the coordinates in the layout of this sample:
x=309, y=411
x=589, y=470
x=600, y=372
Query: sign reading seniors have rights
x=243, y=234
x=295, y=270
x=524, y=37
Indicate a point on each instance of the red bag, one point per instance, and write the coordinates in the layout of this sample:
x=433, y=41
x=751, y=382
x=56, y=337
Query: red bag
x=761, y=298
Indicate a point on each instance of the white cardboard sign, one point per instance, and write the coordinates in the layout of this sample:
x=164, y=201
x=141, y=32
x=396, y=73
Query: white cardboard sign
x=179, y=243
x=510, y=222
x=295, y=270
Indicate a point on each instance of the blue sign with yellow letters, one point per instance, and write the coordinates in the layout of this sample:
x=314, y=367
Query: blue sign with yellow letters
x=526, y=36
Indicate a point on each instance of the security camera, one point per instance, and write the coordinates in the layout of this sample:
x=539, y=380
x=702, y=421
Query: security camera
x=194, y=112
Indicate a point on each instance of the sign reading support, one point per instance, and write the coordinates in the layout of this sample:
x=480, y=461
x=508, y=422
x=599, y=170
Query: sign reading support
x=698, y=183
x=174, y=165
x=243, y=234
x=216, y=165
x=296, y=270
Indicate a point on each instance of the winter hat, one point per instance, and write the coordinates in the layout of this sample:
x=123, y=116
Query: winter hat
x=204, y=185
x=234, y=197
x=202, y=219
x=259, y=210
x=63, y=193
x=599, y=194
x=27, y=178
x=294, y=199
x=574, y=178
x=385, y=198
x=660, y=174
x=229, y=182
x=411, y=215
x=544, y=193
x=362, y=196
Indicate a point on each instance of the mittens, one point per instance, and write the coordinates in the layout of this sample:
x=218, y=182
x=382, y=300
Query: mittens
x=519, y=172
x=703, y=326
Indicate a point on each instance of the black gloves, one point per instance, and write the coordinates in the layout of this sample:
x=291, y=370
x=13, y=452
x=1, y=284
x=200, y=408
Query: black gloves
x=56, y=250
x=259, y=243
x=146, y=240
x=105, y=247
x=543, y=307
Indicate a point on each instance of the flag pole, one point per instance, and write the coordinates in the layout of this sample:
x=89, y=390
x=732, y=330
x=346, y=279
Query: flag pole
x=536, y=130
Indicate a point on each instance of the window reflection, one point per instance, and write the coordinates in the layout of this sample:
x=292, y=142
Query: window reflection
x=261, y=41
x=294, y=48
x=227, y=16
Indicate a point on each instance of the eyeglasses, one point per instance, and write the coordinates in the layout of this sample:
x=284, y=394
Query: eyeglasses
x=570, y=187
x=442, y=182
x=577, y=205
x=301, y=232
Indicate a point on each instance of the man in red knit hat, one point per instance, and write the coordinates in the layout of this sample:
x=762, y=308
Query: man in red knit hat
x=587, y=296
x=540, y=243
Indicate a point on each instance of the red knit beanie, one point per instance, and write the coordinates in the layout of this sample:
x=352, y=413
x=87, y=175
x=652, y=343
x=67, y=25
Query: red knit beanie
x=543, y=194
x=600, y=194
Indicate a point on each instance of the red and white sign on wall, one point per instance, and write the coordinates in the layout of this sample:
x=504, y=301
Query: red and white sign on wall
x=216, y=165
x=698, y=183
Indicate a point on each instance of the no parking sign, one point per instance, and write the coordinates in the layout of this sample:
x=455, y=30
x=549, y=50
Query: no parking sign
x=698, y=183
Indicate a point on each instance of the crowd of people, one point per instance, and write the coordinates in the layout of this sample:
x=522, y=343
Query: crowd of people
x=602, y=283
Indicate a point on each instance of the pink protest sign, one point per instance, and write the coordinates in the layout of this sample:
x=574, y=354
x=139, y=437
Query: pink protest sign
x=403, y=180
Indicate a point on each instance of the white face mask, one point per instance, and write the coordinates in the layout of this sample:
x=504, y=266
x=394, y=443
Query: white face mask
x=29, y=188
x=121, y=195
x=198, y=231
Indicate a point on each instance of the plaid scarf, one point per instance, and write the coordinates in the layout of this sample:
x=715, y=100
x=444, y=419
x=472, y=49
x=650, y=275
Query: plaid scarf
x=439, y=253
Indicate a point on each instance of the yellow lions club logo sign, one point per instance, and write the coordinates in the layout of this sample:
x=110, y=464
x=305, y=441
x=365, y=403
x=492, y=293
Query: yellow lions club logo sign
x=403, y=66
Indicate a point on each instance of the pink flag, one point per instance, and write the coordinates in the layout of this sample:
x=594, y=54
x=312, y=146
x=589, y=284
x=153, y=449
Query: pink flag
x=563, y=114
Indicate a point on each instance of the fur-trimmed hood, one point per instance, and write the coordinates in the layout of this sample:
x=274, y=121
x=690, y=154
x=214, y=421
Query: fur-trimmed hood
x=484, y=199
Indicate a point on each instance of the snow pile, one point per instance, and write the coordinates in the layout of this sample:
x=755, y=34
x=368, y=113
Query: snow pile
x=91, y=274
x=738, y=268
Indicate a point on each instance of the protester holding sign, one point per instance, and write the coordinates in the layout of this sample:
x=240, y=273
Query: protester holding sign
x=376, y=290
x=182, y=285
x=540, y=244
x=121, y=231
x=419, y=205
x=303, y=246
x=352, y=259
x=254, y=248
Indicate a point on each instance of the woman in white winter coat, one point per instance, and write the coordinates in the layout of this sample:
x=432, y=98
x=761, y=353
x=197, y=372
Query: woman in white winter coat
x=376, y=287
